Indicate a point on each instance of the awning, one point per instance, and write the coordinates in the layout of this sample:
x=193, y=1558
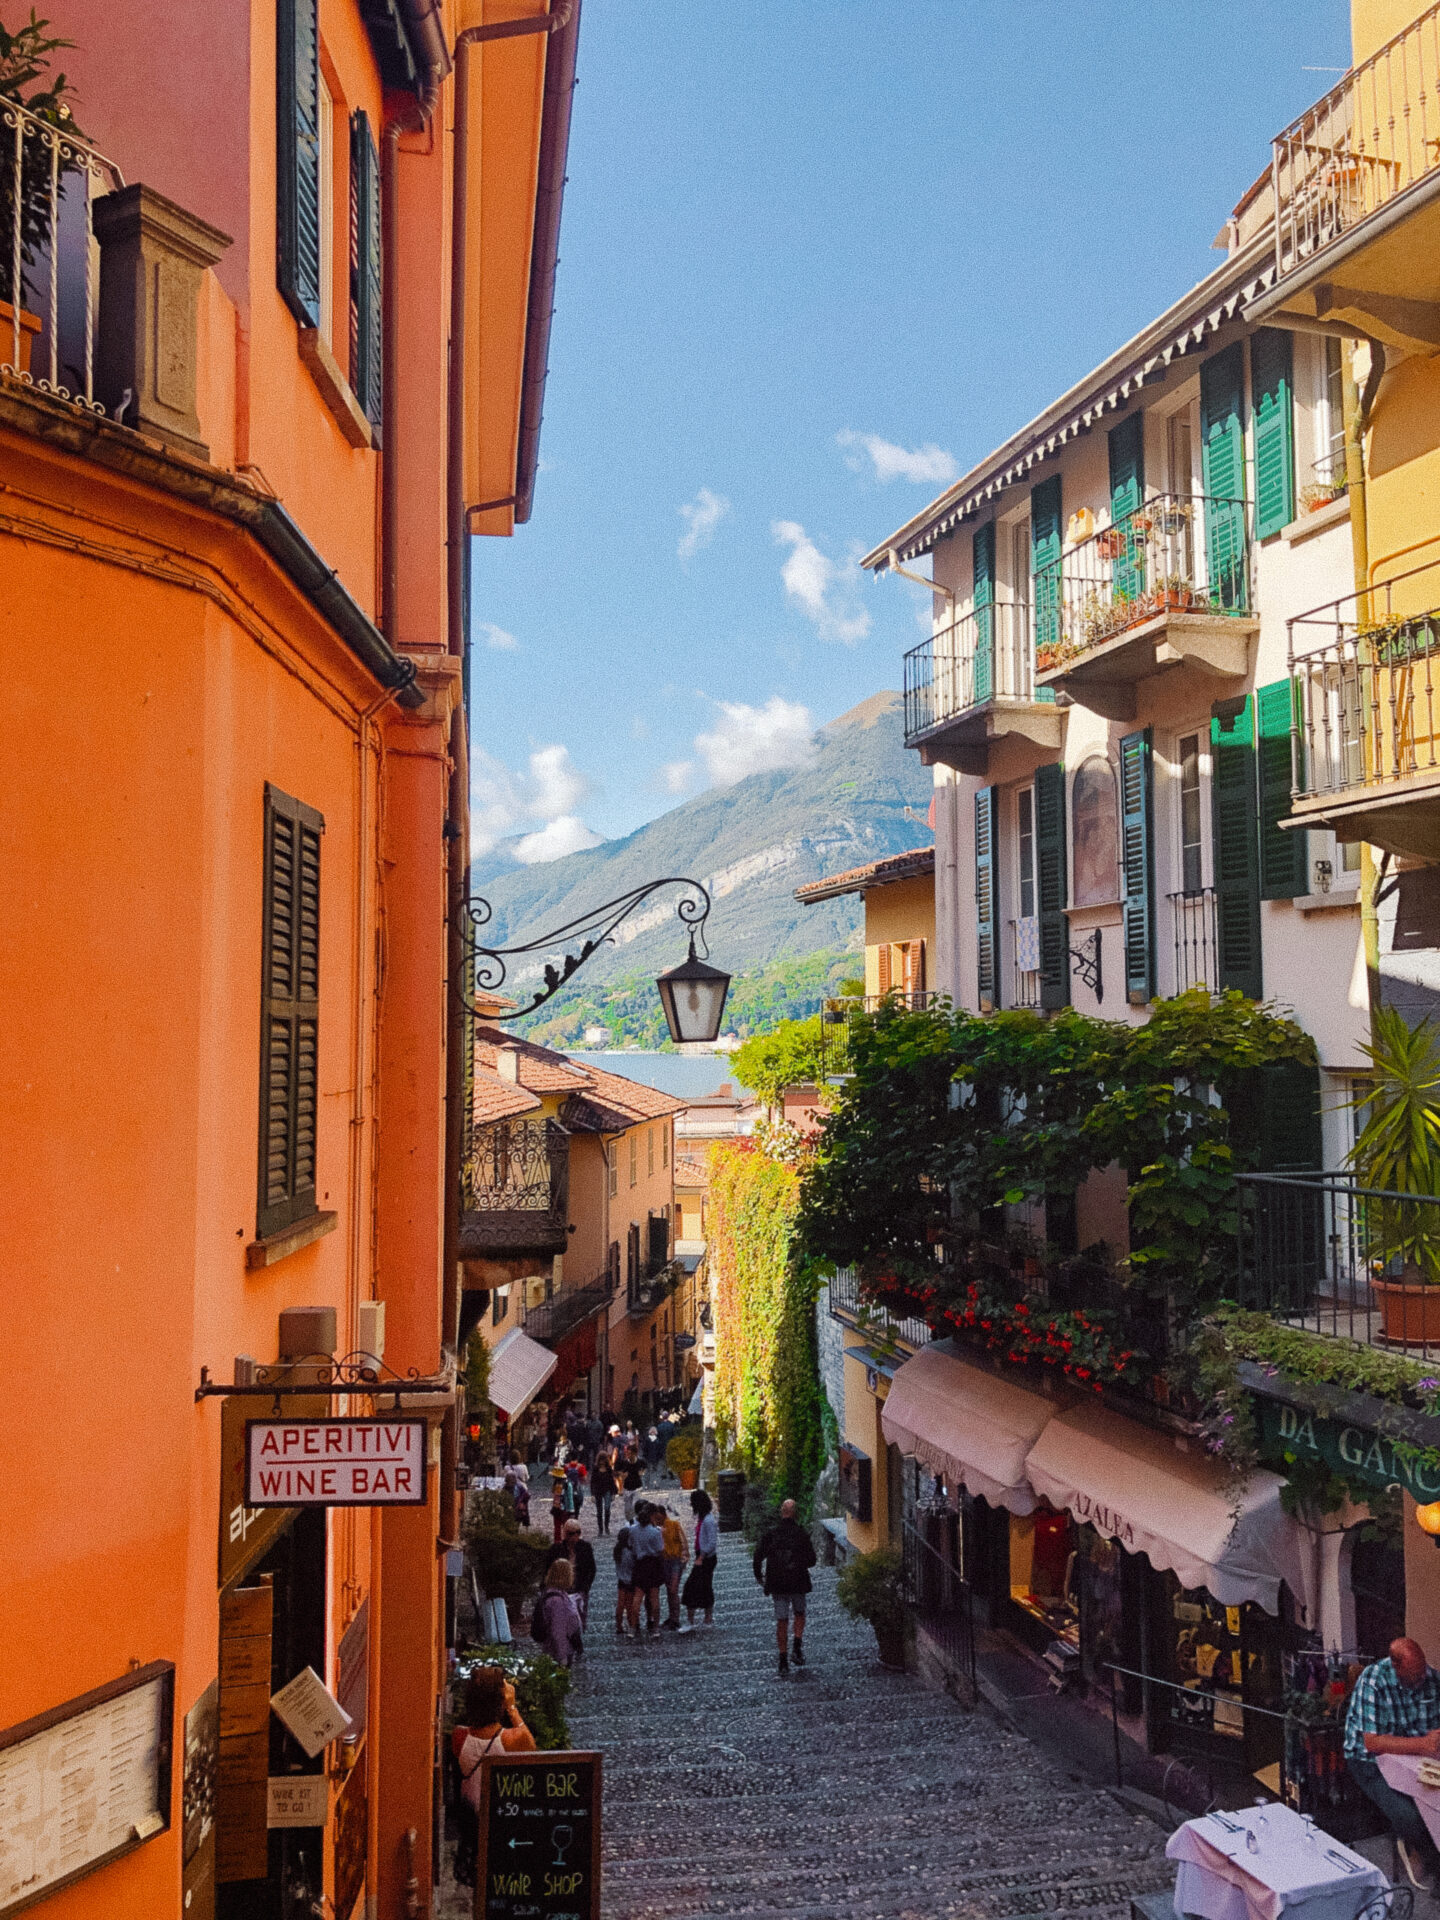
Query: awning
x=519, y=1367
x=966, y=1424
x=1179, y=1508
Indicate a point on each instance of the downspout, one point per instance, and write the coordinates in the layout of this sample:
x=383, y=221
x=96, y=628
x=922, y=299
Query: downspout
x=894, y=566
x=1356, y=411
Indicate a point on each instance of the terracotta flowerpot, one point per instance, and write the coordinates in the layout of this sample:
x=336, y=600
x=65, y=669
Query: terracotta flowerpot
x=29, y=327
x=1409, y=1311
x=689, y=1479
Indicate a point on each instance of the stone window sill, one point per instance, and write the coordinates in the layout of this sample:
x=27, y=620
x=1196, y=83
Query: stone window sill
x=1341, y=900
x=275, y=1247
x=335, y=388
x=1309, y=524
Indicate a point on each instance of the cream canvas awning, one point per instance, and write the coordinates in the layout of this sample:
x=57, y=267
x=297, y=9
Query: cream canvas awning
x=966, y=1424
x=1178, y=1508
x=519, y=1367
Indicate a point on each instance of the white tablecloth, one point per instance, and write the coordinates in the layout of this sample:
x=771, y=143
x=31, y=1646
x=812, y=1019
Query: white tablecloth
x=1218, y=1878
x=1402, y=1771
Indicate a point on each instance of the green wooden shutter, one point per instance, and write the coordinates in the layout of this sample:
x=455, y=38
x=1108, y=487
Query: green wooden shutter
x=1051, y=892
x=1237, y=858
x=366, y=313
x=1137, y=865
x=1222, y=463
x=983, y=551
x=297, y=158
x=1045, y=550
x=1271, y=395
x=289, y=1013
x=1283, y=856
x=987, y=897
x=1127, y=493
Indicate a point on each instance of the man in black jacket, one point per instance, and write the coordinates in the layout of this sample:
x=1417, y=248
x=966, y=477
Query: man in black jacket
x=782, y=1565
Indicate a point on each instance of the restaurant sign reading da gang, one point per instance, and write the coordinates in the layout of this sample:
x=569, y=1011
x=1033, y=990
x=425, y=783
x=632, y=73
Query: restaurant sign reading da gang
x=335, y=1463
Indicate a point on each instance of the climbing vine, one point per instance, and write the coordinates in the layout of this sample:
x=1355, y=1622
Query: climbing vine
x=769, y=1404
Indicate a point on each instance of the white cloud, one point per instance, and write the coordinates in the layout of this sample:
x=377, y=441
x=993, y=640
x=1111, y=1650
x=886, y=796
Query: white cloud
x=556, y=784
x=921, y=465
x=676, y=775
x=549, y=792
x=702, y=516
x=825, y=589
x=756, y=739
x=496, y=637
x=566, y=834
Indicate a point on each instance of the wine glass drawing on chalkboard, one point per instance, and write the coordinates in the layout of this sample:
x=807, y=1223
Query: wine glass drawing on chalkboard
x=561, y=1838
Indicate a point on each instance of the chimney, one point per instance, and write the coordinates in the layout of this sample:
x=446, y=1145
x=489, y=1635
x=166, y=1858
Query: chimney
x=507, y=1063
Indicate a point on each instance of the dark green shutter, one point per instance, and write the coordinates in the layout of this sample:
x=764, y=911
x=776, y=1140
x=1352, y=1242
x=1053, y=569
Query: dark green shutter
x=366, y=315
x=987, y=897
x=289, y=1013
x=1222, y=463
x=1127, y=493
x=1237, y=861
x=983, y=551
x=297, y=158
x=1271, y=395
x=1045, y=549
x=1051, y=892
x=1283, y=862
x=1137, y=865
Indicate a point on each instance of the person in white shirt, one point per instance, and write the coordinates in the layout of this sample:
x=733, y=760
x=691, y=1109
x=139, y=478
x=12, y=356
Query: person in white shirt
x=700, y=1582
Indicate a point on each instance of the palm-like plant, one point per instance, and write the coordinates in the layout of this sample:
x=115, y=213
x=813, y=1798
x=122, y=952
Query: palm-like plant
x=1398, y=1150
x=26, y=80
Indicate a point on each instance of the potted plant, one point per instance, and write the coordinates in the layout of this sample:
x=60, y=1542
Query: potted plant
x=1110, y=544
x=25, y=57
x=682, y=1455
x=1398, y=1153
x=871, y=1587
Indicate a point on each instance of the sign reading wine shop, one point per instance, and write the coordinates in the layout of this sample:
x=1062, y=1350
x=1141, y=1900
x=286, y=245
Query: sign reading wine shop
x=335, y=1463
x=539, y=1852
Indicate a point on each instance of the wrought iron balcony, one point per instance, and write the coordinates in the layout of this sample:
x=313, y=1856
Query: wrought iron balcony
x=849, y=1306
x=1366, y=729
x=551, y=1320
x=514, y=1189
x=1197, y=946
x=1167, y=585
x=973, y=683
x=837, y=1017
x=1024, y=981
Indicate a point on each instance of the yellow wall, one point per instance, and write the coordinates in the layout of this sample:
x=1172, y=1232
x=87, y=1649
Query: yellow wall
x=1403, y=480
x=903, y=910
x=862, y=1429
x=1373, y=22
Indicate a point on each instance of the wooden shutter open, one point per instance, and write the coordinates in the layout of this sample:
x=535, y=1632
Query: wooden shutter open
x=1284, y=865
x=1237, y=865
x=1051, y=892
x=987, y=898
x=1045, y=549
x=1222, y=461
x=1271, y=391
x=297, y=158
x=983, y=555
x=289, y=1013
x=1127, y=493
x=1137, y=865
x=366, y=271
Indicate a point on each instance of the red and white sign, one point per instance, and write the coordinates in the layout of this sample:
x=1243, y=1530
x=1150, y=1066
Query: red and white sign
x=335, y=1463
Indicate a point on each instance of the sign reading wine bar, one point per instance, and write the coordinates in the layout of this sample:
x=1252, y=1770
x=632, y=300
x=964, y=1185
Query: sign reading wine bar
x=335, y=1463
x=539, y=1855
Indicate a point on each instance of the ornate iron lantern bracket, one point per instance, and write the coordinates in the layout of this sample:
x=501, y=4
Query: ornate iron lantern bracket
x=1085, y=962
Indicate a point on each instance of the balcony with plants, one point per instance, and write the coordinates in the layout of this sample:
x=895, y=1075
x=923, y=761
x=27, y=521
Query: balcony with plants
x=972, y=684
x=1165, y=586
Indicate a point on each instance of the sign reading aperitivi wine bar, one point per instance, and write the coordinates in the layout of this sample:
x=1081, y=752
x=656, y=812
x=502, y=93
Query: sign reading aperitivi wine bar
x=335, y=1463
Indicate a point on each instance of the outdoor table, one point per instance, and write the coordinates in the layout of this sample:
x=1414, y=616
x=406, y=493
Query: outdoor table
x=1219, y=1878
x=1402, y=1771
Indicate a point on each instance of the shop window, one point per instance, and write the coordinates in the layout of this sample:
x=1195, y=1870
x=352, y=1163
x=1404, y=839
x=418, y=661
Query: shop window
x=1042, y=1567
x=1224, y=1659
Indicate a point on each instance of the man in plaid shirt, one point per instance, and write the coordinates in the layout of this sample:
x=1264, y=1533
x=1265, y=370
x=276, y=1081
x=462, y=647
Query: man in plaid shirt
x=1395, y=1708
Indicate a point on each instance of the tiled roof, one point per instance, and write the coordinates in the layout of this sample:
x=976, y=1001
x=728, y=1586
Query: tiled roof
x=633, y=1096
x=690, y=1172
x=496, y=1099
x=540, y=1070
x=581, y=1114
x=880, y=873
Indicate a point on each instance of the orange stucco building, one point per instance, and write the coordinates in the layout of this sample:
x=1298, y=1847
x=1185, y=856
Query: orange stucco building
x=239, y=461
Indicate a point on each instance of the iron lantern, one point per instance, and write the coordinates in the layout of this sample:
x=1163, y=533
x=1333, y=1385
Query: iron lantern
x=693, y=996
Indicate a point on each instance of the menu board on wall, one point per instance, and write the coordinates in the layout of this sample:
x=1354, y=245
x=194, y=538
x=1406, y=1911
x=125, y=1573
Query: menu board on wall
x=84, y=1783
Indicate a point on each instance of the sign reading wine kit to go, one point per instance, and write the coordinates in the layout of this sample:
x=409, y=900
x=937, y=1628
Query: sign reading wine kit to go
x=539, y=1855
x=335, y=1463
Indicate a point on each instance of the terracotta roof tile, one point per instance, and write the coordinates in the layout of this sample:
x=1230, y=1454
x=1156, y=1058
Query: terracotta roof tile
x=497, y=1099
x=633, y=1096
x=896, y=866
x=540, y=1070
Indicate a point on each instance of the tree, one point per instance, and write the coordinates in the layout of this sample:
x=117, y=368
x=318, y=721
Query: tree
x=789, y=1056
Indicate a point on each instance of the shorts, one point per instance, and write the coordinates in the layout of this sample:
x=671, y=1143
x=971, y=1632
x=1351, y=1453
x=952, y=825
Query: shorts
x=786, y=1603
x=650, y=1571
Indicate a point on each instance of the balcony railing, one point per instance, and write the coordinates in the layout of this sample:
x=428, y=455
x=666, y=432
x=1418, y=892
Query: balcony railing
x=1323, y=1252
x=514, y=1186
x=1024, y=980
x=1371, y=137
x=847, y=1303
x=987, y=654
x=1197, y=946
x=49, y=179
x=1176, y=554
x=837, y=1016
x=551, y=1320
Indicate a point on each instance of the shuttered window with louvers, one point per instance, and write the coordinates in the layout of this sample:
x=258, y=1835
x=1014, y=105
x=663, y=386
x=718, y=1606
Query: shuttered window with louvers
x=1222, y=456
x=987, y=898
x=1271, y=387
x=1283, y=863
x=1137, y=865
x=1237, y=865
x=1127, y=492
x=289, y=1013
x=1051, y=891
x=297, y=158
x=1045, y=549
x=983, y=550
x=366, y=272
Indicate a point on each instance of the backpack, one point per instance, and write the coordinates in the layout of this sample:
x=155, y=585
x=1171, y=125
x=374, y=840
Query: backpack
x=788, y=1560
x=537, y=1618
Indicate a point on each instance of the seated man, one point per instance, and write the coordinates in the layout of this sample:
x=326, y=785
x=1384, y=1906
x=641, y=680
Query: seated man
x=1395, y=1708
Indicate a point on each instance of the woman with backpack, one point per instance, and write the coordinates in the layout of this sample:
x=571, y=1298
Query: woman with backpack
x=492, y=1726
x=555, y=1624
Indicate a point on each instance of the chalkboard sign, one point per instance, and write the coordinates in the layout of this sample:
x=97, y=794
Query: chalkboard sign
x=539, y=1856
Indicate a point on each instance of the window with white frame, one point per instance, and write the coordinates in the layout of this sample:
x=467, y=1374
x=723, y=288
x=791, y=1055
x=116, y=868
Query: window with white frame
x=1191, y=814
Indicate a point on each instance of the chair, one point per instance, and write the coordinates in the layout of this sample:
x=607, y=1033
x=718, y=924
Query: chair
x=1391, y=1903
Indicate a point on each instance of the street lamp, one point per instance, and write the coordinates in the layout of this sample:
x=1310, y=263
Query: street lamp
x=692, y=994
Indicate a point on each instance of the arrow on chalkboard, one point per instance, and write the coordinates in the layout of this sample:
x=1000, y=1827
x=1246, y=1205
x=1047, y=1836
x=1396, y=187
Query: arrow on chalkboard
x=520, y=1843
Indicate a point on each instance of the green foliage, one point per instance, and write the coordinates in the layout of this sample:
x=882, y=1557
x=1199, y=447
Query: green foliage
x=478, y=1409
x=788, y=1056
x=25, y=77
x=540, y=1683
x=1321, y=1359
x=1399, y=1146
x=768, y=1398
x=509, y=1564
x=870, y=1587
x=683, y=1453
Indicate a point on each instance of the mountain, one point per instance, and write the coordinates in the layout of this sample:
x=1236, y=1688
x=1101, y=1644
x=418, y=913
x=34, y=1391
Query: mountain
x=751, y=844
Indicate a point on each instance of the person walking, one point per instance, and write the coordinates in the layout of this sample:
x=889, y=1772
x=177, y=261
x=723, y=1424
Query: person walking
x=632, y=1479
x=555, y=1625
x=652, y=1454
x=581, y=1556
x=627, y=1597
x=602, y=1486
x=562, y=1501
x=649, y=1544
x=700, y=1583
x=575, y=1473
x=492, y=1725
x=676, y=1554
x=782, y=1565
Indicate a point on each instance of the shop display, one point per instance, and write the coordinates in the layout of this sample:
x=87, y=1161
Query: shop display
x=1042, y=1571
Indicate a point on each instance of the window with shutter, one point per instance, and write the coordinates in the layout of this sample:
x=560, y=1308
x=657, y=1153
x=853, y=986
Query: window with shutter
x=1051, y=886
x=1137, y=865
x=1284, y=866
x=366, y=315
x=297, y=157
x=882, y=968
x=1222, y=462
x=289, y=1013
x=1271, y=391
x=1236, y=854
x=1045, y=548
x=987, y=897
x=983, y=555
x=1127, y=492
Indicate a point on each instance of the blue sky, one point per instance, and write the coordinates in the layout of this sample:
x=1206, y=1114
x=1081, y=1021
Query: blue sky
x=797, y=234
